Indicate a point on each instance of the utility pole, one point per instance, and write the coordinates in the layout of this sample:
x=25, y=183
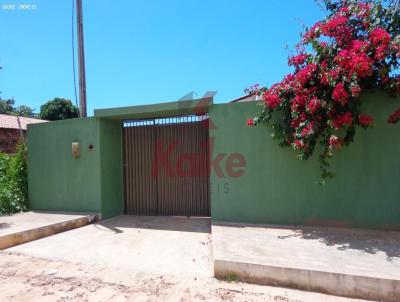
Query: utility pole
x=81, y=60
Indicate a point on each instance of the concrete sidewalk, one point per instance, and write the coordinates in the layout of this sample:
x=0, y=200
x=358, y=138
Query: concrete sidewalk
x=24, y=227
x=177, y=246
x=347, y=262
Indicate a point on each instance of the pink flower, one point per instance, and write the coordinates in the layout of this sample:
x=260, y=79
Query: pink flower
x=343, y=57
x=298, y=144
x=379, y=36
x=365, y=120
x=380, y=53
x=343, y=120
x=313, y=32
x=305, y=74
x=300, y=119
x=358, y=46
x=252, y=89
x=250, y=122
x=360, y=65
x=329, y=76
x=272, y=100
x=335, y=142
x=297, y=60
x=355, y=63
x=332, y=25
x=337, y=27
x=355, y=91
x=308, y=130
x=313, y=105
x=340, y=94
x=299, y=101
x=394, y=117
x=338, y=60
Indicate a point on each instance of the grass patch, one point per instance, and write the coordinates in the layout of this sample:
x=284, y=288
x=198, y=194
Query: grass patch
x=231, y=277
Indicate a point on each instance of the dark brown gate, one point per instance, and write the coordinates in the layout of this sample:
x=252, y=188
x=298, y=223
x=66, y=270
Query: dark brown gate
x=166, y=166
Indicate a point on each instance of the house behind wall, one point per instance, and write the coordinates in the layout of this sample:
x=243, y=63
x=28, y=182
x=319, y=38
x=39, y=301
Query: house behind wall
x=11, y=129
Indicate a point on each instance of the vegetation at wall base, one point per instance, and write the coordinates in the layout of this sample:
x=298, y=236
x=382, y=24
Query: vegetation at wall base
x=355, y=49
x=14, y=181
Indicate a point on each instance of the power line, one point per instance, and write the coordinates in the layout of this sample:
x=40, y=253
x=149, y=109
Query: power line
x=73, y=50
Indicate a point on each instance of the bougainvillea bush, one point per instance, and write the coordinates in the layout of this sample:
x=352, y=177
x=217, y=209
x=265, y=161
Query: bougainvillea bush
x=355, y=49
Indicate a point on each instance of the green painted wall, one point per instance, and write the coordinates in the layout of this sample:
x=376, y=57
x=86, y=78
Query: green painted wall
x=277, y=188
x=94, y=181
x=185, y=107
x=111, y=165
x=57, y=181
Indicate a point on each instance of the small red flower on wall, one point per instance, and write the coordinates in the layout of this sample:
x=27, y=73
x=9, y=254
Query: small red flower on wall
x=334, y=142
x=298, y=144
x=343, y=120
x=250, y=122
x=365, y=120
x=394, y=117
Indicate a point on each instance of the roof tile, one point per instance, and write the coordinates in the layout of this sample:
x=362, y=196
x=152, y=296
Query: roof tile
x=11, y=121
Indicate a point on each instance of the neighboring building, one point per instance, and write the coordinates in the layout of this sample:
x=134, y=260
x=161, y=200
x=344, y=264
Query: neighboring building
x=11, y=129
x=247, y=98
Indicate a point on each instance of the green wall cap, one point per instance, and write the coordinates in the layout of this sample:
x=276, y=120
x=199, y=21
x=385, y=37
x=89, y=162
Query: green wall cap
x=156, y=110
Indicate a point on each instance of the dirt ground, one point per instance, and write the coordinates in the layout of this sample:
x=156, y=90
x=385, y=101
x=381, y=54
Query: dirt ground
x=26, y=278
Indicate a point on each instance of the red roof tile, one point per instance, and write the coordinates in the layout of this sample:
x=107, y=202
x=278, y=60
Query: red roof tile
x=15, y=122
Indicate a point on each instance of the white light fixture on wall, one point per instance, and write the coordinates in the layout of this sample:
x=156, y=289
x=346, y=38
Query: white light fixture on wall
x=76, y=149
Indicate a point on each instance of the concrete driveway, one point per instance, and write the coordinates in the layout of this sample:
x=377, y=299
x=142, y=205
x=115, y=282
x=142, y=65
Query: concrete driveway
x=176, y=246
x=27, y=226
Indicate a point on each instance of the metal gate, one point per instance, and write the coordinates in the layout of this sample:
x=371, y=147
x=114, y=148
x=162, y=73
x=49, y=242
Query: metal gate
x=166, y=166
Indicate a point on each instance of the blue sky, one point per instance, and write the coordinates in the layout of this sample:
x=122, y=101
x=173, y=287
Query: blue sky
x=148, y=51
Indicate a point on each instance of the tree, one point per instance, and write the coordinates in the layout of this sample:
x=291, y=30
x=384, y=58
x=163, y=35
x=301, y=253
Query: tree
x=24, y=110
x=8, y=107
x=58, y=109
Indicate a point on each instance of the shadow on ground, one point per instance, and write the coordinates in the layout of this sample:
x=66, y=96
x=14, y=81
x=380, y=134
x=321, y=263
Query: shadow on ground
x=369, y=241
x=4, y=225
x=172, y=223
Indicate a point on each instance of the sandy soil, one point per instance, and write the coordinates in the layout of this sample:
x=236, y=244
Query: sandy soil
x=26, y=278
